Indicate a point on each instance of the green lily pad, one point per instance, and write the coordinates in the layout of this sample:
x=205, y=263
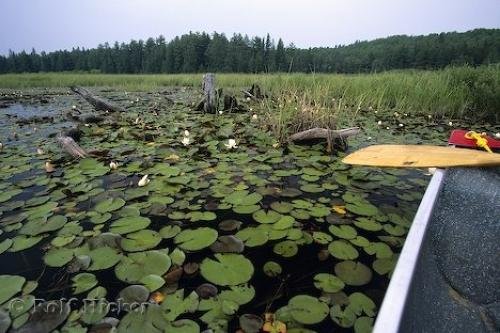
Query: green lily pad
x=178, y=257
x=353, y=273
x=40, y=226
x=133, y=267
x=22, y=305
x=183, y=326
x=363, y=325
x=341, y=249
x=109, y=205
x=246, y=209
x=272, y=268
x=170, y=231
x=321, y=237
x=240, y=294
x=252, y=237
x=150, y=320
x=286, y=248
x=367, y=224
x=152, y=282
x=308, y=310
x=11, y=285
x=46, y=317
x=343, y=231
x=130, y=224
x=227, y=270
x=381, y=250
x=312, y=188
x=328, y=283
x=61, y=241
x=5, y=244
x=282, y=207
x=359, y=303
x=384, y=266
x=140, y=240
x=196, y=239
x=22, y=242
x=394, y=230
x=103, y=258
x=360, y=241
x=83, y=282
x=362, y=208
x=201, y=216
x=285, y=222
x=268, y=217
x=58, y=257
x=243, y=198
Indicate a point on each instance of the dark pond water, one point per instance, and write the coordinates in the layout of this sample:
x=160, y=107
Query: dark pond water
x=333, y=232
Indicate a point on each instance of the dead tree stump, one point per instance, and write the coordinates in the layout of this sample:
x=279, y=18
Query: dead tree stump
x=209, y=93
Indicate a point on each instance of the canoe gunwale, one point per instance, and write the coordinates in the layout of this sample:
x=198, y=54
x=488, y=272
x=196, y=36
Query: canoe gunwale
x=391, y=311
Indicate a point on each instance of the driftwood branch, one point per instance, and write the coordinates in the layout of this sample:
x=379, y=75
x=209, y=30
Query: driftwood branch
x=323, y=133
x=98, y=103
x=71, y=147
x=331, y=136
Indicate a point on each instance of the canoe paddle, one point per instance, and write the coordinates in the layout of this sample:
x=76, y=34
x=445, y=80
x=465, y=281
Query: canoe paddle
x=421, y=156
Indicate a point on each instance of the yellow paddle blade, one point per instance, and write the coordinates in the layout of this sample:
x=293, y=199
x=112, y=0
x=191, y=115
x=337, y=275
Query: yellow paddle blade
x=419, y=156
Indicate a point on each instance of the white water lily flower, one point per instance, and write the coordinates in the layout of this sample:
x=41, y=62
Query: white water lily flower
x=379, y=122
x=186, y=133
x=369, y=138
x=497, y=135
x=248, y=99
x=49, y=167
x=73, y=107
x=254, y=117
x=251, y=109
x=376, y=111
x=401, y=125
x=186, y=141
x=231, y=143
x=113, y=165
x=276, y=145
x=40, y=151
x=388, y=127
x=429, y=116
x=450, y=123
x=1, y=146
x=137, y=99
x=137, y=120
x=220, y=112
x=144, y=181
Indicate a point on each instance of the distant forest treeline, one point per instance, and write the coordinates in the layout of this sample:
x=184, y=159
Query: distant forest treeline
x=198, y=52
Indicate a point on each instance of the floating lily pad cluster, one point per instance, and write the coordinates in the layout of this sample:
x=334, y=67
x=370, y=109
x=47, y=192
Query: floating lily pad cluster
x=238, y=219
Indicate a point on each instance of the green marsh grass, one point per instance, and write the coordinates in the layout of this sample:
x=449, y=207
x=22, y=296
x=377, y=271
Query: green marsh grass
x=452, y=92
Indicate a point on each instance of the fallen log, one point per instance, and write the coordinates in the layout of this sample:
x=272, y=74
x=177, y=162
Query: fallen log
x=254, y=93
x=98, y=103
x=71, y=147
x=331, y=136
x=323, y=133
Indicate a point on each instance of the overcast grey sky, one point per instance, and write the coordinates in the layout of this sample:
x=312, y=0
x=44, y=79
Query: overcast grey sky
x=63, y=24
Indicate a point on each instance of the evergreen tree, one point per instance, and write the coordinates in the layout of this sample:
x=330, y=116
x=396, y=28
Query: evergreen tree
x=196, y=52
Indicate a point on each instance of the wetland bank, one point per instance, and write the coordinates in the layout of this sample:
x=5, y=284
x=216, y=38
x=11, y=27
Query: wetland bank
x=221, y=232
